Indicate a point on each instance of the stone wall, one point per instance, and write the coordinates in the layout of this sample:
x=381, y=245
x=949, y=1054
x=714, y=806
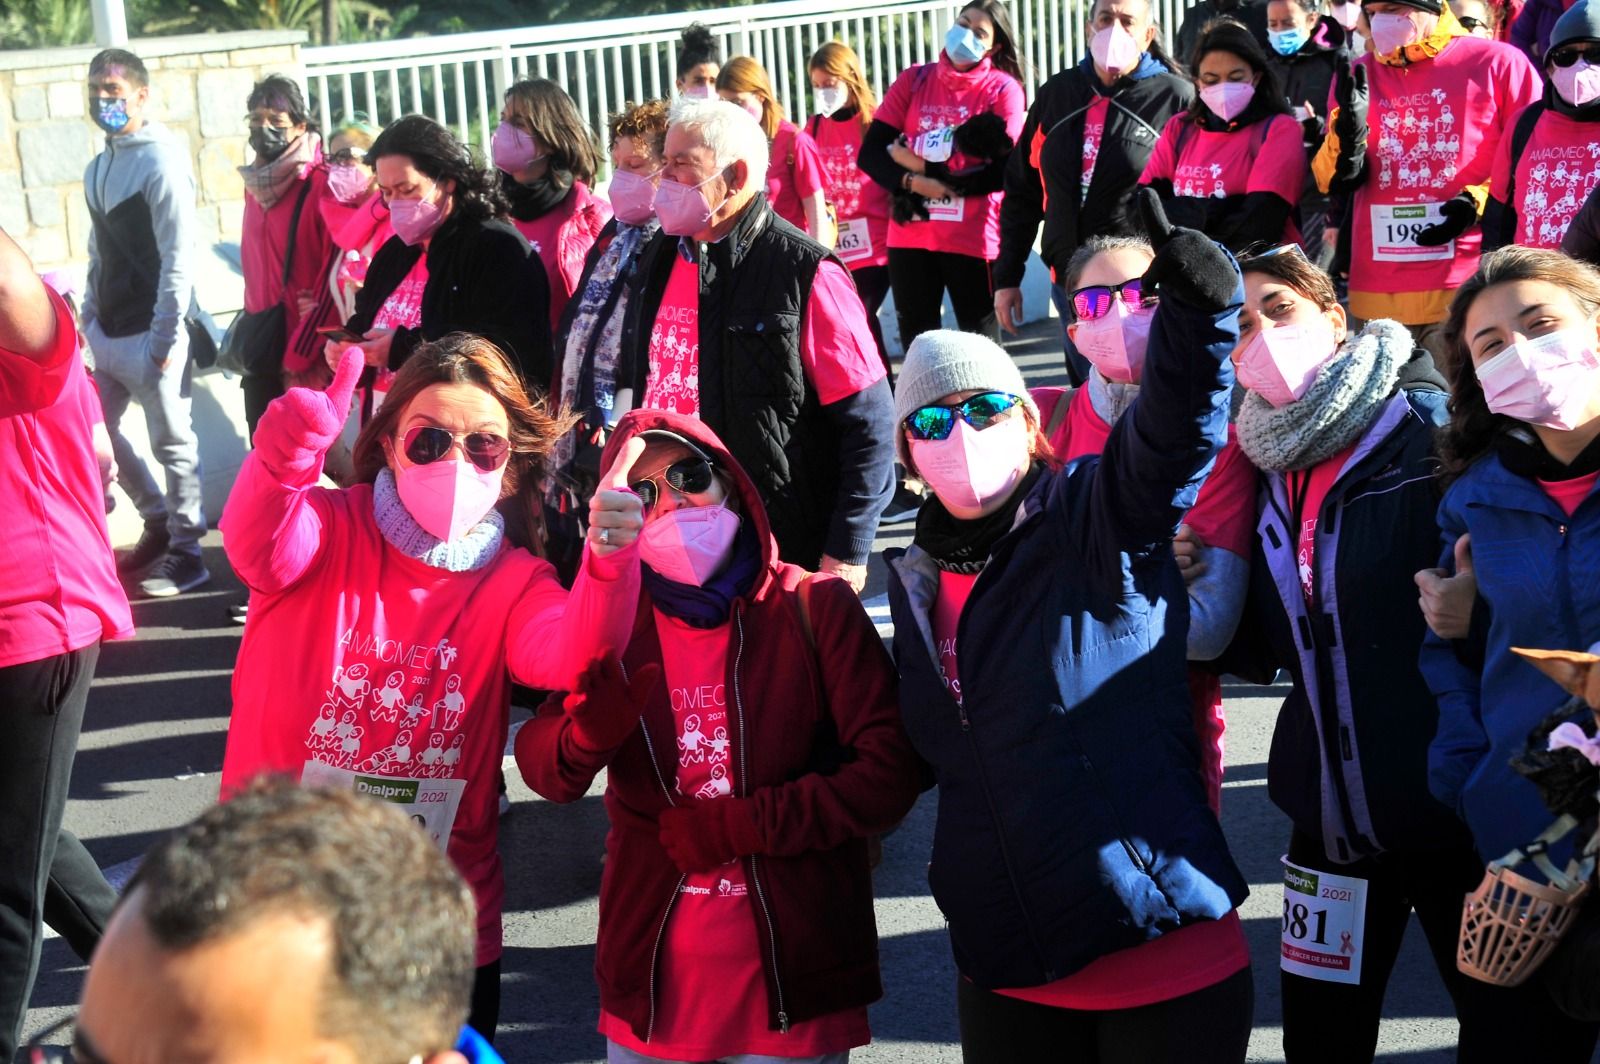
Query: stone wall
x=198, y=88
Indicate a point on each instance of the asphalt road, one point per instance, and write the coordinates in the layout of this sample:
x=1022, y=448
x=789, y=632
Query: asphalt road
x=152, y=747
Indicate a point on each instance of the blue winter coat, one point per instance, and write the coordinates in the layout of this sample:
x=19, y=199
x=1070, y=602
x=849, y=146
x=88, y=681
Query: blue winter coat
x=1539, y=574
x=1072, y=820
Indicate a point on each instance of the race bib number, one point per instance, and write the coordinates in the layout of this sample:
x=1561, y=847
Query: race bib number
x=947, y=208
x=937, y=145
x=854, y=243
x=1324, y=918
x=1394, y=233
x=430, y=803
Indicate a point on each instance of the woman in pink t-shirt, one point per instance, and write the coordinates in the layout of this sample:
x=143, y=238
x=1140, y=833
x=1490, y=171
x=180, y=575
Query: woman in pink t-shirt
x=794, y=169
x=389, y=619
x=736, y=904
x=1233, y=164
x=845, y=104
x=546, y=156
x=944, y=241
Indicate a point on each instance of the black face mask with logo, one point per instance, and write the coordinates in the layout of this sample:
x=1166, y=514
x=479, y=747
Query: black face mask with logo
x=269, y=142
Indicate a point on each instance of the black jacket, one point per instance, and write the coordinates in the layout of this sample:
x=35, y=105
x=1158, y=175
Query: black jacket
x=1307, y=78
x=825, y=473
x=482, y=278
x=1253, y=13
x=1044, y=175
x=1349, y=759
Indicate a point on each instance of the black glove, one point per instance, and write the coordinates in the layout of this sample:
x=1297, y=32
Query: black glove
x=1460, y=213
x=1188, y=264
x=1350, y=92
x=908, y=206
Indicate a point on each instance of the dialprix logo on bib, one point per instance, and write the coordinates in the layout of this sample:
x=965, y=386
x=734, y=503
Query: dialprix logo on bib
x=1419, y=210
x=401, y=792
x=1300, y=881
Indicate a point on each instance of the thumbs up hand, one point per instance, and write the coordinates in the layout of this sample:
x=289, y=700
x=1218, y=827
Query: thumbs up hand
x=299, y=426
x=1447, y=600
x=616, y=513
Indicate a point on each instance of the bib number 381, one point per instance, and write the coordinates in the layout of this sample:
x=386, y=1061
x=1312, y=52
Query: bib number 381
x=1324, y=918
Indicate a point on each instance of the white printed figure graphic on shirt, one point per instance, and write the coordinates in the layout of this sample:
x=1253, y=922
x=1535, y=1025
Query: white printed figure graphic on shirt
x=414, y=711
x=718, y=744
x=350, y=686
x=692, y=742
x=1307, y=578
x=452, y=756
x=447, y=654
x=393, y=759
x=718, y=786
x=844, y=178
x=451, y=706
x=322, y=728
x=433, y=755
x=388, y=700
x=349, y=748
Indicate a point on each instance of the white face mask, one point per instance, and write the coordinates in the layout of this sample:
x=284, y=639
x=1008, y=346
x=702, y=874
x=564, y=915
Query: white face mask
x=830, y=99
x=700, y=92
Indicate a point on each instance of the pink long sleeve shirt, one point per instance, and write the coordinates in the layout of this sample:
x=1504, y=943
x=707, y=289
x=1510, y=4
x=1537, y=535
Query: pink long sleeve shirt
x=366, y=668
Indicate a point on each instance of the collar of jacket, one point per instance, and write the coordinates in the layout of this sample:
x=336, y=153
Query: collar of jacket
x=731, y=250
x=1149, y=66
x=1447, y=30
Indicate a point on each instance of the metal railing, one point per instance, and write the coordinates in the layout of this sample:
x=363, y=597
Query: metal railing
x=460, y=79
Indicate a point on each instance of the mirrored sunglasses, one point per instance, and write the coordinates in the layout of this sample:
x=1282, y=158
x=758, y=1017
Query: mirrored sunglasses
x=687, y=476
x=980, y=411
x=1094, y=301
x=426, y=444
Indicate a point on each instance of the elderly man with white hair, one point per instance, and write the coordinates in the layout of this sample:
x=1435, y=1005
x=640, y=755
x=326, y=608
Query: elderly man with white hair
x=755, y=328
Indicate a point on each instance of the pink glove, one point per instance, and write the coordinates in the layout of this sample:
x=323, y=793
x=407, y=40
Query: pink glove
x=298, y=427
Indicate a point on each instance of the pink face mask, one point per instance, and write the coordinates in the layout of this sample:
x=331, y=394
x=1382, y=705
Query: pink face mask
x=1547, y=381
x=1114, y=50
x=1114, y=343
x=1347, y=15
x=448, y=497
x=1578, y=84
x=349, y=184
x=690, y=545
x=971, y=468
x=752, y=108
x=633, y=197
x=683, y=209
x=1391, y=32
x=1280, y=364
x=414, y=220
x=513, y=150
x=1227, y=99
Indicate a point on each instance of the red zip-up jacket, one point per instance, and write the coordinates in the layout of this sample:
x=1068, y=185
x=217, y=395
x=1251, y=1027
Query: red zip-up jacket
x=812, y=885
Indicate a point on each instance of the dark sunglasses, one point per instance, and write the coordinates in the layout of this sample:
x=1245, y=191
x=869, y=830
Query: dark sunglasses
x=426, y=444
x=687, y=476
x=1094, y=301
x=937, y=422
x=1565, y=57
x=1470, y=24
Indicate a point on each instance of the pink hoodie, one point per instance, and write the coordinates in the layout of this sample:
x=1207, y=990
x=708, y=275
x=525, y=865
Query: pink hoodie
x=391, y=673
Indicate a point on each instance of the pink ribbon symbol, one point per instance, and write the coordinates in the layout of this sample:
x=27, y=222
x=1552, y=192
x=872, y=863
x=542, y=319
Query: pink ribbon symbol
x=1345, y=945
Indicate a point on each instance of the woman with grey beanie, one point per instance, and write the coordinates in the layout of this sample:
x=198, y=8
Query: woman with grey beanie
x=1040, y=627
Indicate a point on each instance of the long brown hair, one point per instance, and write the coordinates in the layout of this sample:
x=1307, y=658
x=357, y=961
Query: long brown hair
x=555, y=120
x=838, y=60
x=1473, y=426
x=1006, y=57
x=743, y=74
x=466, y=358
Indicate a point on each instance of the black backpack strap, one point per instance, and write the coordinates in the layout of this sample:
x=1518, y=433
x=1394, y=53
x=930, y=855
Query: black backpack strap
x=1521, y=133
x=294, y=229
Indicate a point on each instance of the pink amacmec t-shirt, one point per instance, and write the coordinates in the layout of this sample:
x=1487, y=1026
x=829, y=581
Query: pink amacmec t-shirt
x=927, y=103
x=58, y=579
x=862, y=203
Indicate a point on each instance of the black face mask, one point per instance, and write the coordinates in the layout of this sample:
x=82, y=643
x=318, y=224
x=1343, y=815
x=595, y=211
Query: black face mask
x=269, y=142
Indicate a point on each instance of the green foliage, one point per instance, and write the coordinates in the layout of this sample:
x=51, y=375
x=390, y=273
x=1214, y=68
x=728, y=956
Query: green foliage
x=45, y=23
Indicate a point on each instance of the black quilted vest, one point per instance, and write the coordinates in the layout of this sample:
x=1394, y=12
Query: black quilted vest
x=754, y=395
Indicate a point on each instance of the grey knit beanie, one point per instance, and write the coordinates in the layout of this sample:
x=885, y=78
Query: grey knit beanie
x=945, y=361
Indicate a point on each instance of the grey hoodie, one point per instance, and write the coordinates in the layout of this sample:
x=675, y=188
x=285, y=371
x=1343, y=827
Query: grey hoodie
x=141, y=196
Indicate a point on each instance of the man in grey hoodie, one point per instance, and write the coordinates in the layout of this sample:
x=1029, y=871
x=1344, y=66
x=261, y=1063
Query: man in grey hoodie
x=141, y=197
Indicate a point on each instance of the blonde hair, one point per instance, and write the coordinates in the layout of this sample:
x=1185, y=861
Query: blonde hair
x=743, y=74
x=836, y=59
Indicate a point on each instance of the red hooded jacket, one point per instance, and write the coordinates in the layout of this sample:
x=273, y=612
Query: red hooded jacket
x=812, y=882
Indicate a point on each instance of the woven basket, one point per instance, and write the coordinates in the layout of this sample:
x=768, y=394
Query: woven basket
x=1510, y=924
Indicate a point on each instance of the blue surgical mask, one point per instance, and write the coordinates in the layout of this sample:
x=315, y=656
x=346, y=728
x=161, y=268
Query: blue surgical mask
x=1287, y=42
x=110, y=113
x=963, y=46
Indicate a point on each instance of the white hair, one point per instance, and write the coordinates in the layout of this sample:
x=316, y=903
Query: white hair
x=729, y=131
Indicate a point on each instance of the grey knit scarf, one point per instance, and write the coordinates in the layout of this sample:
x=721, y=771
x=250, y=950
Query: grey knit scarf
x=400, y=530
x=1343, y=400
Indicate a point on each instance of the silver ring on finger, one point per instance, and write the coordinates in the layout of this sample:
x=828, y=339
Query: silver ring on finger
x=605, y=536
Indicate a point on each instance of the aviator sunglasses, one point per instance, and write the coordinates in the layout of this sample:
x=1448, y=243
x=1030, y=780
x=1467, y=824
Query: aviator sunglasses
x=686, y=476
x=1094, y=301
x=426, y=444
x=937, y=422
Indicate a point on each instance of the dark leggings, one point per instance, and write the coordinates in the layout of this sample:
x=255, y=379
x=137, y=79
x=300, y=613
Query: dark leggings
x=1209, y=1026
x=872, y=285
x=1337, y=1023
x=484, y=1016
x=258, y=392
x=920, y=280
